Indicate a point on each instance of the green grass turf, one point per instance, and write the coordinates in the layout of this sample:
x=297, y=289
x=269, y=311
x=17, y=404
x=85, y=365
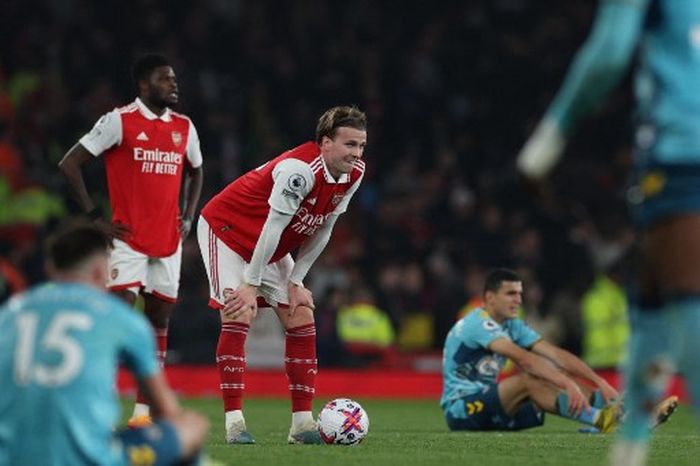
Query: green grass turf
x=414, y=433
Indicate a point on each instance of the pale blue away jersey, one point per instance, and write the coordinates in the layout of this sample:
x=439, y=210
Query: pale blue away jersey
x=665, y=35
x=667, y=82
x=60, y=344
x=467, y=363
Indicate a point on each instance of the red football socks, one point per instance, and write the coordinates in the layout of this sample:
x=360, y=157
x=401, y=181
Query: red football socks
x=301, y=365
x=230, y=359
x=161, y=352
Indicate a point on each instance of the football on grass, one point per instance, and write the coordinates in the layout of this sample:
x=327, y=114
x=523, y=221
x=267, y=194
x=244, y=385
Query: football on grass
x=343, y=422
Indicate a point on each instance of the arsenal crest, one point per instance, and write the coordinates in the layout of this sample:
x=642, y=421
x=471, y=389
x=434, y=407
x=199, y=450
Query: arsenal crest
x=114, y=273
x=177, y=138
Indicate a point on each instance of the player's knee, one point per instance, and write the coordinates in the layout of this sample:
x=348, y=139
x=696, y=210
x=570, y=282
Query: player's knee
x=127, y=295
x=303, y=315
x=528, y=382
x=245, y=318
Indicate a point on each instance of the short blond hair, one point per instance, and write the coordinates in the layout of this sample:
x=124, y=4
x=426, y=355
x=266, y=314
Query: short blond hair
x=337, y=117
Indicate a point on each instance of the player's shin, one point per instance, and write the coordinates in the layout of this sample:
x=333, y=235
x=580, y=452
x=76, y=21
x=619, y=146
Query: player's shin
x=628, y=453
x=648, y=371
x=687, y=326
x=141, y=414
x=589, y=416
x=231, y=362
x=596, y=400
x=301, y=366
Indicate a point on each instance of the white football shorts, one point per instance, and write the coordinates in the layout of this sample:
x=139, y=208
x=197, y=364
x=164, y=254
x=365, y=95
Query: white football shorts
x=134, y=271
x=225, y=270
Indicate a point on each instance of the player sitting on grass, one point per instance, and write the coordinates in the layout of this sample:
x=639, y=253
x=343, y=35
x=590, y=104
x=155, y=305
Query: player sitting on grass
x=61, y=343
x=476, y=350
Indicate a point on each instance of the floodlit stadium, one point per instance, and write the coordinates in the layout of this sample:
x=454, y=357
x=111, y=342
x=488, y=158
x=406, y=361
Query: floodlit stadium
x=470, y=217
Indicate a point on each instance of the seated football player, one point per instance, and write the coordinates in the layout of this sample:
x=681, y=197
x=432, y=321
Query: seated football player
x=551, y=379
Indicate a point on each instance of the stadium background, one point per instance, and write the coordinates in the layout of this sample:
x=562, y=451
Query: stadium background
x=451, y=88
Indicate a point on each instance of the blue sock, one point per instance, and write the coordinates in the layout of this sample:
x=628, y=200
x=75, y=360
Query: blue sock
x=650, y=351
x=597, y=400
x=686, y=324
x=585, y=417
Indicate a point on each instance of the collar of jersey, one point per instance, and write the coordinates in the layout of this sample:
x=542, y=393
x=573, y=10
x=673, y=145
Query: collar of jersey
x=149, y=115
x=344, y=178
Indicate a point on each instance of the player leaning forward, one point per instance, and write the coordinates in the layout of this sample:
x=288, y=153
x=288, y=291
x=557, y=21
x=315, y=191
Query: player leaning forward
x=246, y=234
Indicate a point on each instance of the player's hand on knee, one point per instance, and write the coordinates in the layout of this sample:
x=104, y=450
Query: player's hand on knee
x=299, y=296
x=243, y=300
x=251, y=309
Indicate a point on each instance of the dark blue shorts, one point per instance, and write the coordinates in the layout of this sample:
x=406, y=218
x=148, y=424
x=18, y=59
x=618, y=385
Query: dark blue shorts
x=483, y=411
x=156, y=445
x=660, y=191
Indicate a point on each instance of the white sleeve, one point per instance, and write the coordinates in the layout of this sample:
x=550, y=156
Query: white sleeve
x=106, y=133
x=194, y=153
x=265, y=247
x=343, y=205
x=293, y=181
x=311, y=249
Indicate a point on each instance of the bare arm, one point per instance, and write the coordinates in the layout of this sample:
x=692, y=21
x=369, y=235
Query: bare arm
x=192, y=191
x=71, y=167
x=530, y=362
x=599, y=65
x=574, y=366
x=541, y=368
x=191, y=427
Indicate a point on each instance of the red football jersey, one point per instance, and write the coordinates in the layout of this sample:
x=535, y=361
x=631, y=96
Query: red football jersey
x=145, y=155
x=237, y=214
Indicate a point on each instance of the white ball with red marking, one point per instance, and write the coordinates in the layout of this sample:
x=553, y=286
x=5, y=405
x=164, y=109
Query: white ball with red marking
x=343, y=421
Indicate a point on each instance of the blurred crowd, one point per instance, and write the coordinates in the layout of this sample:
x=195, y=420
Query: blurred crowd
x=451, y=90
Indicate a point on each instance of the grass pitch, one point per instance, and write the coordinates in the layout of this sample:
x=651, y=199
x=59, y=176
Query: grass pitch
x=414, y=433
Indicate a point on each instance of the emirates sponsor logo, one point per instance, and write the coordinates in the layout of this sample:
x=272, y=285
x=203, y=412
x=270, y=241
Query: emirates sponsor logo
x=156, y=155
x=307, y=223
x=158, y=161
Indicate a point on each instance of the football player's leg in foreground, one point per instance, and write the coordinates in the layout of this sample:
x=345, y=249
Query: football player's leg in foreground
x=666, y=325
x=666, y=202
